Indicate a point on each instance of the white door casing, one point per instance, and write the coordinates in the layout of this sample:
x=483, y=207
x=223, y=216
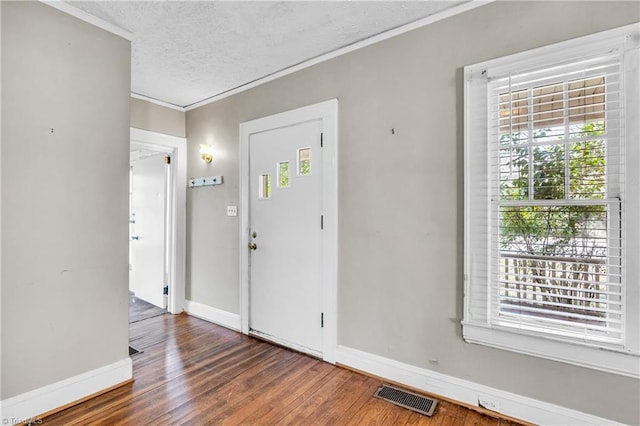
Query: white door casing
x=285, y=275
x=325, y=116
x=147, y=226
x=176, y=147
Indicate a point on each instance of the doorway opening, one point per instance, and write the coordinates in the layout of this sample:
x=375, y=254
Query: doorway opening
x=158, y=181
x=149, y=221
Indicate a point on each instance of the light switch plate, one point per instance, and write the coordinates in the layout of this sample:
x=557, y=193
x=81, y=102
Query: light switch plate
x=232, y=210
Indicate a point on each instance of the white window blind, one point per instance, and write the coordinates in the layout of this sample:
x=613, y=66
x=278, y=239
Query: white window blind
x=556, y=181
x=549, y=248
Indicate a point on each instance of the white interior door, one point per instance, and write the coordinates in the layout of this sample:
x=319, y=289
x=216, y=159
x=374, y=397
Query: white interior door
x=147, y=249
x=285, y=272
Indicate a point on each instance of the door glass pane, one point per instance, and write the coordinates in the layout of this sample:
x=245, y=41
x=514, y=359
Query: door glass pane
x=304, y=161
x=264, y=186
x=283, y=174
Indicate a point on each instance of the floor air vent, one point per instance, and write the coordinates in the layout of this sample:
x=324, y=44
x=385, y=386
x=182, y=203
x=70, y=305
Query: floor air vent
x=412, y=401
x=133, y=351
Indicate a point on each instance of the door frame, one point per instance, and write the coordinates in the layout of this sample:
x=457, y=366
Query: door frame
x=326, y=111
x=176, y=147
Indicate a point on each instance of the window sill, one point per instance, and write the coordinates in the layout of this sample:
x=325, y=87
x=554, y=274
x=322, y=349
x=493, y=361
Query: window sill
x=609, y=361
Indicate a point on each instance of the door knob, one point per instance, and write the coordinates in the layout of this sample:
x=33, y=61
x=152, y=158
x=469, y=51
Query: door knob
x=253, y=246
x=135, y=237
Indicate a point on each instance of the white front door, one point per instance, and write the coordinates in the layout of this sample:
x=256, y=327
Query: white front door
x=147, y=249
x=285, y=201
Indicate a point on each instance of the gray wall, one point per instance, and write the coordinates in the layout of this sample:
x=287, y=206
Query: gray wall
x=400, y=238
x=212, y=237
x=156, y=118
x=64, y=196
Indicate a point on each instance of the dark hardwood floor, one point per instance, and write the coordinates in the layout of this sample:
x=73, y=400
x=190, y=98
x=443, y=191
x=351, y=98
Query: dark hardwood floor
x=194, y=372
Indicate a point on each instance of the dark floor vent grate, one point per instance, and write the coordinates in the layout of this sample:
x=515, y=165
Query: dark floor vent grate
x=412, y=401
x=133, y=351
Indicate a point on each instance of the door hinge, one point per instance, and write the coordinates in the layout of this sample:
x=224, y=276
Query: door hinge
x=321, y=140
x=165, y=290
x=167, y=159
x=321, y=221
x=322, y=320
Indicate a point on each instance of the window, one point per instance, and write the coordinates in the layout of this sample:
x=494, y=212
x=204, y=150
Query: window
x=551, y=214
x=264, y=187
x=283, y=174
x=304, y=161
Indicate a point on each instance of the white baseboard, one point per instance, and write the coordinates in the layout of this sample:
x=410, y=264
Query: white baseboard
x=470, y=393
x=214, y=315
x=31, y=404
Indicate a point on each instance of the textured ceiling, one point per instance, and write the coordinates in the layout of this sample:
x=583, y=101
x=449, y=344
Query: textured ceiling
x=185, y=52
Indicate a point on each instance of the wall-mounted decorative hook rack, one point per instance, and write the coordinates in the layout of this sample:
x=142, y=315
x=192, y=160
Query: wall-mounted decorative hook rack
x=208, y=181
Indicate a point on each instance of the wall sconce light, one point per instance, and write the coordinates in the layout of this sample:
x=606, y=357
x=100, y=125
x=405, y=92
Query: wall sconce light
x=206, y=152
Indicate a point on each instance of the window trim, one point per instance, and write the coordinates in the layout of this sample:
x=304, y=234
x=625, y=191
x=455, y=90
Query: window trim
x=476, y=323
x=555, y=349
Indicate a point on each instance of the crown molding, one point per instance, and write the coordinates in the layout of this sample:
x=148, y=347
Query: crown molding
x=344, y=50
x=88, y=18
x=157, y=102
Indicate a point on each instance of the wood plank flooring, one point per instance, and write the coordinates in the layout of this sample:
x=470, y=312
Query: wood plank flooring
x=140, y=310
x=194, y=372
